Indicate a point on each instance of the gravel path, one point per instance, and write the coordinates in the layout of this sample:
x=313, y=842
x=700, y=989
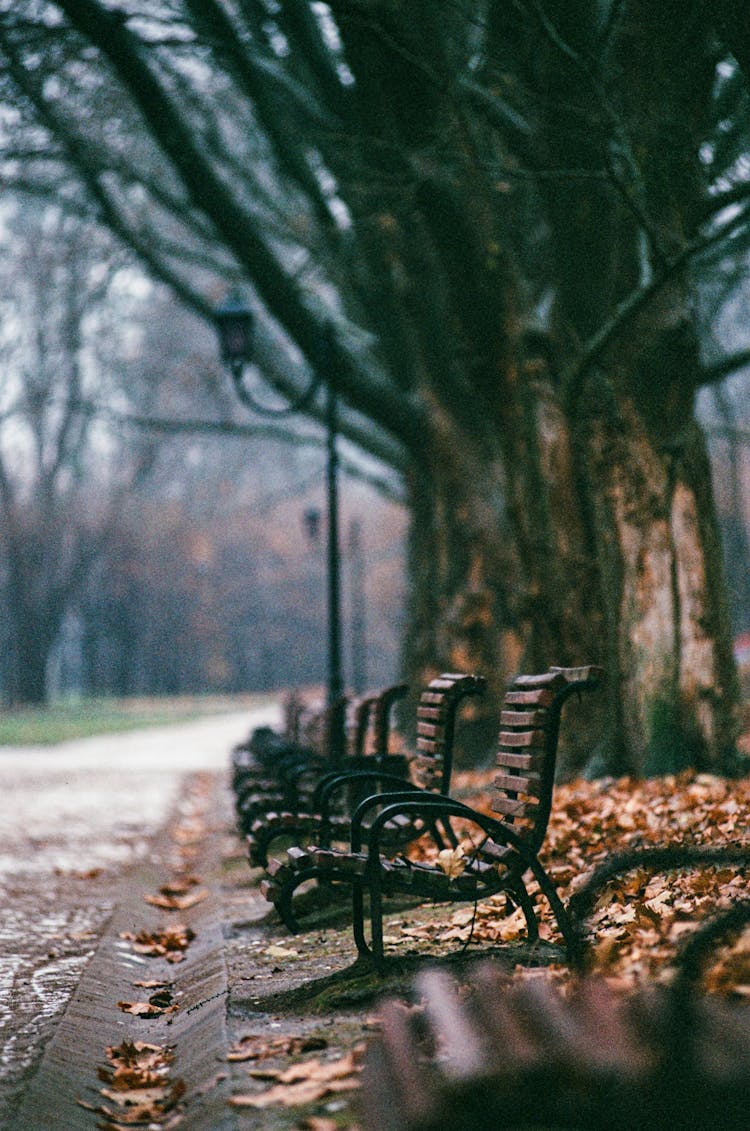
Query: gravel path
x=75, y=818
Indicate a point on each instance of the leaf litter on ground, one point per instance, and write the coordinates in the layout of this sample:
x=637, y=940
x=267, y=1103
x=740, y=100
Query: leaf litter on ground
x=139, y=1090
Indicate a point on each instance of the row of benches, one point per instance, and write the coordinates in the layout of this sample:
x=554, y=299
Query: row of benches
x=358, y=820
x=487, y=1052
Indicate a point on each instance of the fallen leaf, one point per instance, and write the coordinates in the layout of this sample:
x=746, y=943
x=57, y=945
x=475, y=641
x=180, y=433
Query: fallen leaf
x=159, y=1003
x=180, y=885
x=256, y=1047
x=294, y=1095
x=452, y=861
x=307, y=1082
x=321, y=1069
x=139, y=1054
x=177, y=902
x=170, y=942
x=143, y=1097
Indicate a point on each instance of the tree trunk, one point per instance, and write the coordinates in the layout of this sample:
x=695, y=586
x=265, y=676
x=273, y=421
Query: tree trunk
x=459, y=571
x=31, y=647
x=670, y=665
x=606, y=553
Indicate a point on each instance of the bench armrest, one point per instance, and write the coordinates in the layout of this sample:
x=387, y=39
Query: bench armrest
x=376, y=777
x=334, y=780
x=432, y=805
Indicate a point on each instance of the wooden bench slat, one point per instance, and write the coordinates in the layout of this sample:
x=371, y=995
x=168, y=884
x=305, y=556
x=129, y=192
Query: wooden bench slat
x=513, y=808
x=462, y=1051
x=428, y=745
x=539, y=698
x=431, y=730
x=436, y=698
x=522, y=738
x=551, y=679
x=430, y=714
x=518, y=761
x=532, y=719
x=519, y=783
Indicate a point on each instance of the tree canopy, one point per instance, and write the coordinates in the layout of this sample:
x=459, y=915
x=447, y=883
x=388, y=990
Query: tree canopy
x=519, y=220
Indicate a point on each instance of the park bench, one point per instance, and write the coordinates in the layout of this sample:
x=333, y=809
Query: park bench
x=371, y=716
x=429, y=771
x=273, y=770
x=495, y=1052
x=508, y=846
x=258, y=757
x=367, y=734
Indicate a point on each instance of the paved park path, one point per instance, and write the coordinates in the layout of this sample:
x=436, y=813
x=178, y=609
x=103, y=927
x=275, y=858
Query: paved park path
x=84, y=832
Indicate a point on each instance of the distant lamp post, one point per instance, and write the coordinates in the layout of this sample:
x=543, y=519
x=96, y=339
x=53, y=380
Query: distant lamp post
x=234, y=324
x=311, y=520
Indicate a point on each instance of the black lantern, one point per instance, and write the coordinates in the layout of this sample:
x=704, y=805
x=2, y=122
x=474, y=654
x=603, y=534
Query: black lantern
x=234, y=323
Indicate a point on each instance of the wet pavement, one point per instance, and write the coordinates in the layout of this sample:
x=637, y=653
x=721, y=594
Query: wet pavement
x=77, y=819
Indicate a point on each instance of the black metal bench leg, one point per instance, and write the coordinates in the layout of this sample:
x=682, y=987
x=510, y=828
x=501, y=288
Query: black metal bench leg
x=261, y=844
x=376, y=922
x=358, y=919
x=283, y=905
x=527, y=906
x=559, y=910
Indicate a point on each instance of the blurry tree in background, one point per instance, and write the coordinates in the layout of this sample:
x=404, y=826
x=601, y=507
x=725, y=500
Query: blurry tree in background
x=522, y=221
x=64, y=479
x=136, y=552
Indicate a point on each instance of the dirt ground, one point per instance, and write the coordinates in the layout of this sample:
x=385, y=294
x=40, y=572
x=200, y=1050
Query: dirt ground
x=300, y=1004
x=92, y=833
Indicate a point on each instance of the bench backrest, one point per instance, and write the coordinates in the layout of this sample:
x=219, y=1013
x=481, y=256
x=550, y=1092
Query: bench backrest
x=527, y=745
x=432, y=765
x=359, y=724
x=380, y=718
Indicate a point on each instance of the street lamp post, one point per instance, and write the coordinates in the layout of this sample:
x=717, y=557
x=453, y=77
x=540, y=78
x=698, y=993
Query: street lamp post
x=235, y=324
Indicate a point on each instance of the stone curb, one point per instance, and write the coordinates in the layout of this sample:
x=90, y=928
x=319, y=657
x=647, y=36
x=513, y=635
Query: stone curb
x=196, y=1032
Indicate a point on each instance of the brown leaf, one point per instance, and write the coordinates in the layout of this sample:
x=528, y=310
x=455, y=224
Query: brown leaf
x=177, y=902
x=452, y=861
x=255, y=1047
x=294, y=1095
x=139, y=1054
x=127, y=1079
x=143, y=1097
x=159, y=1003
x=169, y=943
x=307, y=1082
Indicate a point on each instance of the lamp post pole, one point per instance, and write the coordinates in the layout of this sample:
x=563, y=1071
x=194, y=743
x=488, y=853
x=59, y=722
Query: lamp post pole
x=234, y=322
x=335, y=682
x=357, y=598
x=335, y=679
